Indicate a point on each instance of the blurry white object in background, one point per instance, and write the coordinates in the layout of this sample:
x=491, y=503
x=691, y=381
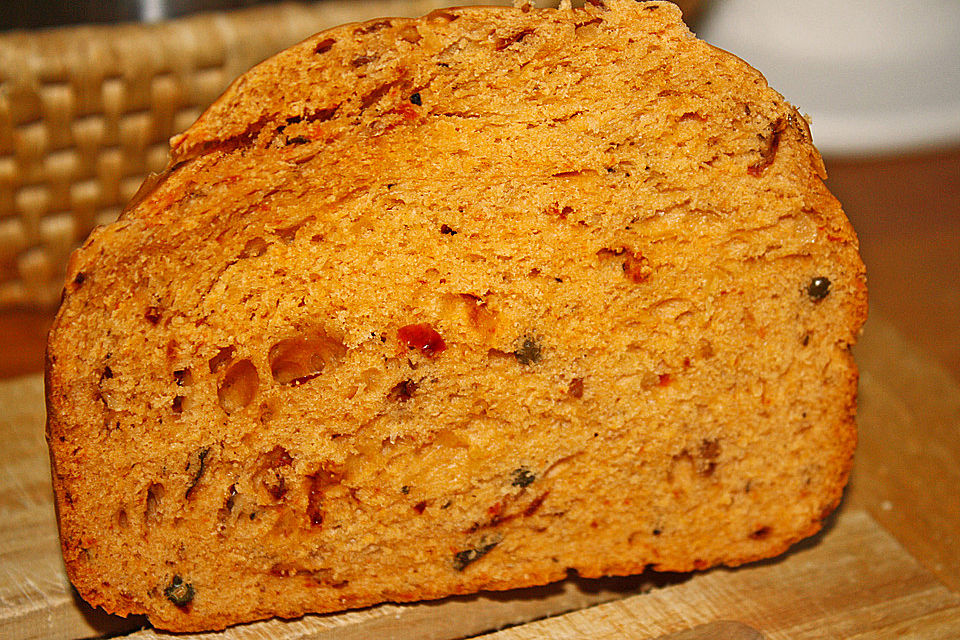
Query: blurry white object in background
x=876, y=76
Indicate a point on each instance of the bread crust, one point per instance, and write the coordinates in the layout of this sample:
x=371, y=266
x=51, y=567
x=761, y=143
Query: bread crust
x=607, y=332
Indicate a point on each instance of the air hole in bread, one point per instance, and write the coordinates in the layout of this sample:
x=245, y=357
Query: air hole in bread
x=705, y=349
x=580, y=173
x=374, y=96
x=326, y=477
x=502, y=43
x=266, y=412
x=104, y=387
x=287, y=523
x=254, y=248
x=372, y=27
x=360, y=61
x=228, y=503
x=288, y=570
x=238, y=387
x=439, y=15
x=636, y=267
x=271, y=475
x=607, y=255
x=587, y=27
x=710, y=449
x=183, y=377
x=152, y=514
x=761, y=534
x=294, y=361
x=221, y=359
x=473, y=311
x=411, y=34
x=692, y=115
x=769, y=145
x=402, y=391
x=289, y=234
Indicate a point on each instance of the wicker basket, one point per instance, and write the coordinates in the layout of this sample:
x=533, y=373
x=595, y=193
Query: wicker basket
x=86, y=113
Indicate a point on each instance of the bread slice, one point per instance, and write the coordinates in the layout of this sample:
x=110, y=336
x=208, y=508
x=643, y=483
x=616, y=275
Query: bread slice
x=426, y=307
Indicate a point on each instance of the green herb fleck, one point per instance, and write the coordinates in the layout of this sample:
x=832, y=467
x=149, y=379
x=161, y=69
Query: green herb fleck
x=529, y=352
x=523, y=477
x=467, y=557
x=179, y=592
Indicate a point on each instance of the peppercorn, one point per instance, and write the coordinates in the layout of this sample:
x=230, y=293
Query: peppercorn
x=818, y=288
x=415, y=99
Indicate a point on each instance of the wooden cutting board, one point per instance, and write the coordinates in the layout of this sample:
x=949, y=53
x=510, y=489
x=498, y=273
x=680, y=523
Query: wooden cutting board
x=886, y=566
x=852, y=581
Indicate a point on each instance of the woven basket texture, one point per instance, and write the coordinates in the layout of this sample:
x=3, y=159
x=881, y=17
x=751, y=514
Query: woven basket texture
x=86, y=114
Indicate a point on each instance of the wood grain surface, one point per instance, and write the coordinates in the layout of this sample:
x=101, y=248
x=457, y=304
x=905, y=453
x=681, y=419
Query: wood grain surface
x=876, y=567
x=907, y=469
x=852, y=581
x=906, y=210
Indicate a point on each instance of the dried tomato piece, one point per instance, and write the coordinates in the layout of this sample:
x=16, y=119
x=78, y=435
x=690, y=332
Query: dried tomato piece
x=422, y=337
